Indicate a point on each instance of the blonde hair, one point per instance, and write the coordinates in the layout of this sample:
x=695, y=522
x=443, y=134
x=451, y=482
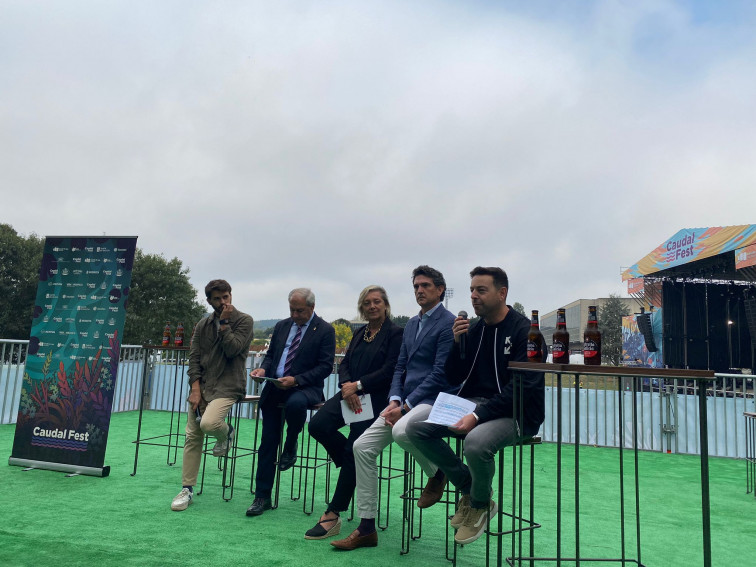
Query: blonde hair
x=363, y=295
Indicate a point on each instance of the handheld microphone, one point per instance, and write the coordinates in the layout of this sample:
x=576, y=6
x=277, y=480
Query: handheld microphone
x=462, y=338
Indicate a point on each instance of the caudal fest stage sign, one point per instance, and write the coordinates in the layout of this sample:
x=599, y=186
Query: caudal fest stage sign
x=72, y=362
x=691, y=244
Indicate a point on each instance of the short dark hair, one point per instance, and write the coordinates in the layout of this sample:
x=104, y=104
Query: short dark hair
x=499, y=276
x=217, y=285
x=432, y=273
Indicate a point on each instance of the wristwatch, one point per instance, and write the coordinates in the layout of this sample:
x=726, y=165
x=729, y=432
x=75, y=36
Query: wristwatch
x=359, y=385
x=405, y=408
x=224, y=321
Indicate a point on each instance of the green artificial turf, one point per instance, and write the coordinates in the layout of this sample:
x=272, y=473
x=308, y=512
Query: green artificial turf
x=51, y=519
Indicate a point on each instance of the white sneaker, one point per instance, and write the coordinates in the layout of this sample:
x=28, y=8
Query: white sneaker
x=475, y=523
x=182, y=500
x=221, y=447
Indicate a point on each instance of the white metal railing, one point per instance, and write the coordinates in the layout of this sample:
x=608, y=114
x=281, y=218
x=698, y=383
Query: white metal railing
x=12, y=364
x=667, y=410
x=667, y=413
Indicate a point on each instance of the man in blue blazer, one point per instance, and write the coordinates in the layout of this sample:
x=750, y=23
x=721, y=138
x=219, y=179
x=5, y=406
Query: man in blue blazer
x=299, y=359
x=418, y=378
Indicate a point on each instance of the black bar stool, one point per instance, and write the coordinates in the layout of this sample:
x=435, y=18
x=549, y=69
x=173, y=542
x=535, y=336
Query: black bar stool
x=750, y=433
x=308, y=462
x=413, y=487
x=386, y=473
x=520, y=520
x=235, y=451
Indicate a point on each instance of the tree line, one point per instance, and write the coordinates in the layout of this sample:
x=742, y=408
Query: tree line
x=161, y=292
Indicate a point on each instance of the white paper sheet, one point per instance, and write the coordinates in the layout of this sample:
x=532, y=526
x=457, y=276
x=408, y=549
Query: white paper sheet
x=448, y=409
x=366, y=413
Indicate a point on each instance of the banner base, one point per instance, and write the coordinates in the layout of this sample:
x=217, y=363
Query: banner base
x=59, y=467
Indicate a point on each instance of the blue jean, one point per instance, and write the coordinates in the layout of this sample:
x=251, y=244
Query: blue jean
x=481, y=445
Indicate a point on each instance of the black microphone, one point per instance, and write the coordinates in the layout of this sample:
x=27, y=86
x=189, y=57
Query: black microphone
x=462, y=338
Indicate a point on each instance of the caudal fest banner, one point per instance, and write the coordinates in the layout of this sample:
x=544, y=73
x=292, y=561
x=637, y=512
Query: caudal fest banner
x=72, y=362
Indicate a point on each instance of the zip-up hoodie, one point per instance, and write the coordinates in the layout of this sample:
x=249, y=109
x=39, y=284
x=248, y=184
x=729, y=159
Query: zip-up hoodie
x=495, y=381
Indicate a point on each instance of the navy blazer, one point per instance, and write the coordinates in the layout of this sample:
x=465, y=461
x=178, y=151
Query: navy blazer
x=419, y=374
x=313, y=362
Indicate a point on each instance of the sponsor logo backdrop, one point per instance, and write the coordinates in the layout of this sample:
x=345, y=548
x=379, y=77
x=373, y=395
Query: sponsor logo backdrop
x=79, y=313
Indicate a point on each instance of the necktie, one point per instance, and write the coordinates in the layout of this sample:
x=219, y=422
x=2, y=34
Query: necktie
x=292, y=350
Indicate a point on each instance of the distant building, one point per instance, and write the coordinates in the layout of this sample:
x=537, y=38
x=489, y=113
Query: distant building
x=576, y=314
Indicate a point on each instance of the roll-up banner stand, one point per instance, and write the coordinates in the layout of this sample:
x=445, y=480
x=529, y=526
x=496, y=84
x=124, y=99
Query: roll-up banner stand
x=72, y=362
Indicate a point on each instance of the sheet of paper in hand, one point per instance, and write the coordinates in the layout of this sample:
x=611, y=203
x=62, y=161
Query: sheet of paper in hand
x=366, y=413
x=449, y=409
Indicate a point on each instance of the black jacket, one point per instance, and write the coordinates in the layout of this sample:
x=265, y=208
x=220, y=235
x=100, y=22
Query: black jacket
x=524, y=399
x=384, y=351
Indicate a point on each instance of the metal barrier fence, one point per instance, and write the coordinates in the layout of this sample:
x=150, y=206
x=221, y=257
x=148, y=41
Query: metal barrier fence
x=667, y=410
x=668, y=414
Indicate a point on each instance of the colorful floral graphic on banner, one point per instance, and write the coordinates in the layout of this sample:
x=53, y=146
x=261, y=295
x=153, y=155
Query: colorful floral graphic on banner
x=72, y=363
x=634, y=351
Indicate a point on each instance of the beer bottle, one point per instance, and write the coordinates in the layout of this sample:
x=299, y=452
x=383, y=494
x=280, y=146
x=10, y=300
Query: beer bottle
x=178, y=340
x=535, y=339
x=167, y=334
x=592, y=339
x=560, y=343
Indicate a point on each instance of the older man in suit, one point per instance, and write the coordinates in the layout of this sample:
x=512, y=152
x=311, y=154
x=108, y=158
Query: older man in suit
x=295, y=367
x=418, y=378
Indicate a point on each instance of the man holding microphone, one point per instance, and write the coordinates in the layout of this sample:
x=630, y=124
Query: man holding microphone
x=479, y=362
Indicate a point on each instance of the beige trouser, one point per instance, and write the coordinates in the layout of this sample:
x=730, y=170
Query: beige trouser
x=214, y=424
x=372, y=443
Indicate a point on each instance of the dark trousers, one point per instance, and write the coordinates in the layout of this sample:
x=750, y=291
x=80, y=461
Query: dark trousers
x=295, y=413
x=324, y=427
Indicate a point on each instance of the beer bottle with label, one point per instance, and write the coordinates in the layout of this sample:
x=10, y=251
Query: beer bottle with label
x=535, y=340
x=167, y=334
x=592, y=339
x=560, y=344
x=178, y=340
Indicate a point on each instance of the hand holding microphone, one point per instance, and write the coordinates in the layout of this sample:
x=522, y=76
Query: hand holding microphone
x=461, y=324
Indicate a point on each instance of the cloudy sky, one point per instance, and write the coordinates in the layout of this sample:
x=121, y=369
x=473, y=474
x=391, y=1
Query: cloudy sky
x=336, y=144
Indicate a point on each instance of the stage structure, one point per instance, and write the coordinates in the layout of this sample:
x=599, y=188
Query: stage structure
x=698, y=289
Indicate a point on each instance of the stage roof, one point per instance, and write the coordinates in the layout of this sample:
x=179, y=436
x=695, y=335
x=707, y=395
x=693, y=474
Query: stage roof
x=693, y=251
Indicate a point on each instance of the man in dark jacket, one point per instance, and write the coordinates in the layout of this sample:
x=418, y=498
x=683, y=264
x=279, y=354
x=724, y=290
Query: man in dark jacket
x=299, y=359
x=482, y=368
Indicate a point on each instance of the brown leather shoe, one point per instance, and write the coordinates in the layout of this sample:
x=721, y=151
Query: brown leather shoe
x=355, y=540
x=432, y=492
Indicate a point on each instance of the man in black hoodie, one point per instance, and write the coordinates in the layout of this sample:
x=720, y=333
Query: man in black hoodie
x=505, y=412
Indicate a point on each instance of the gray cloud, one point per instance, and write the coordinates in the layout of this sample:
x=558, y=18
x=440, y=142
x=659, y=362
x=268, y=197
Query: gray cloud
x=339, y=144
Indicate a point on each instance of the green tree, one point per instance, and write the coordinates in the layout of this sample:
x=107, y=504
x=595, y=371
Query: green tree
x=343, y=335
x=519, y=307
x=610, y=325
x=263, y=333
x=160, y=292
x=400, y=320
x=20, y=259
